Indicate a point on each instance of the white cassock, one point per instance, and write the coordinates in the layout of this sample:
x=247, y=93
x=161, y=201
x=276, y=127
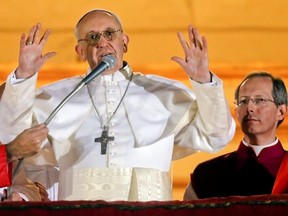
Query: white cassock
x=157, y=121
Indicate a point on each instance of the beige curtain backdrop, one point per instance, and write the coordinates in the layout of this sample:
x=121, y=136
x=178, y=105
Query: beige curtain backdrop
x=243, y=36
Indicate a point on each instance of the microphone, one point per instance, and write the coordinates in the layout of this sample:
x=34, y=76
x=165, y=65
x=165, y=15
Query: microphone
x=107, y=62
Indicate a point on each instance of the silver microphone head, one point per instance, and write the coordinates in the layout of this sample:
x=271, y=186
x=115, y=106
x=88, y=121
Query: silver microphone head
x=110, y=60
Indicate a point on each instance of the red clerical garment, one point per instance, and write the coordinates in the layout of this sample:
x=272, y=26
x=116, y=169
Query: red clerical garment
x=5, y=168
x=281, y=182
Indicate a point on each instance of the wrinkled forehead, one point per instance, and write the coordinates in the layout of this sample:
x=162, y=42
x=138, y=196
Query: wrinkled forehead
x=97, y=20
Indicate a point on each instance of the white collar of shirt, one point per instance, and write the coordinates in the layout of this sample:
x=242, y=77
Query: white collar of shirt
x=121, y=74
x=258, y=148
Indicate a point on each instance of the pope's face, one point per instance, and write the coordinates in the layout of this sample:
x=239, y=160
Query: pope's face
x=93, y=24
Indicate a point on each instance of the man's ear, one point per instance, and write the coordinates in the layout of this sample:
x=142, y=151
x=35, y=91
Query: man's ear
x=282, y=111
x=125, y=43
x=81, y=53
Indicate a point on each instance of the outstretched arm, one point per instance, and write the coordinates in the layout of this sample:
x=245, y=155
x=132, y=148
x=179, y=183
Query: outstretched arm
x=212, y=127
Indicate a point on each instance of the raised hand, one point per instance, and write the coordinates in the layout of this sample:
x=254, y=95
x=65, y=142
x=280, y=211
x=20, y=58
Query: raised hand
x=195, y=63
x=31, y=58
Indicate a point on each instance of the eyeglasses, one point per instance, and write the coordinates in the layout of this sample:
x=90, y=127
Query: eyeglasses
x=93, y=38
x=259, y=101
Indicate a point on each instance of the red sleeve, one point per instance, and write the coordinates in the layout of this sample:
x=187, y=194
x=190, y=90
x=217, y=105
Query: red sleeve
x=281, y=183
x=5, y=168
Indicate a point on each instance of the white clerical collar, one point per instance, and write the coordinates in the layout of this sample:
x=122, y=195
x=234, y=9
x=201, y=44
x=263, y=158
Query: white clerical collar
x=114, y=77
x=258, y=148
x=122, y=74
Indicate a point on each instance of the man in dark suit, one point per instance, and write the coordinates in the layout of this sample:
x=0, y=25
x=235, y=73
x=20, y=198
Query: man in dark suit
x=252, y=169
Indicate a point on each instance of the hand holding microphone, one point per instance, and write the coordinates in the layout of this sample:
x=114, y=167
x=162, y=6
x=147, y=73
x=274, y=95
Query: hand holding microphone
x=27, y=143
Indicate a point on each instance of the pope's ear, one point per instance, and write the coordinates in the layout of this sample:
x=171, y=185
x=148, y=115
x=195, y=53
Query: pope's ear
x=81, y=53
x=125, y=39
x=125, y=43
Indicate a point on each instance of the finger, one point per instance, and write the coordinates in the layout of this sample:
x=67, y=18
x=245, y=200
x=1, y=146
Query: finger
x=195, y=36
x=42, y=190
x=44, y=38
x=48, y=56
x=204, y=44
x=40, y=135
x=39, y=126
x=37, y=33
x=183, y=42
x=22, y=40
x=179, y=60
x=41, y=187
x=191, y=35
x=30, y=37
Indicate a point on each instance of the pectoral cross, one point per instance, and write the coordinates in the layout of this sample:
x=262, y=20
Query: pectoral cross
x=104, y=139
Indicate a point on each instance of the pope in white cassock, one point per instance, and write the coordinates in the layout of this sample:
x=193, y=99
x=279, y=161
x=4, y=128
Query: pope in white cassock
x=115, y=139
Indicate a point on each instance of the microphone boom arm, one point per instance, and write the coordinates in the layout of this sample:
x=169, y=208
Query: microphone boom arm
x=63, y=102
